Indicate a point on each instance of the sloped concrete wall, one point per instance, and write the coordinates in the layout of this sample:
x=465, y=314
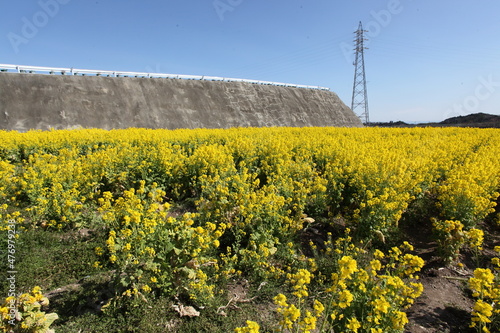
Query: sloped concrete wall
x=34, y=101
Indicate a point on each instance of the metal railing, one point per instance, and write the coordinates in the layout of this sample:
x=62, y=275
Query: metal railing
x=92, y=72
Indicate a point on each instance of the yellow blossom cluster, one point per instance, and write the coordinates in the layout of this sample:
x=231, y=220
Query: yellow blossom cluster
x=24, y=314
x=252, y=327
x=361, y=297
x=485, y=286
x=470, y=187
x=370, y=298
x=475, y=238
x=300, y=280
x=8, y=200
x=154, y=251
x=451, y=236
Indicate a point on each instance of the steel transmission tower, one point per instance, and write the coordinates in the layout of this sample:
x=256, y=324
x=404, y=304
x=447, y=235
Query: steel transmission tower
x=359, y=104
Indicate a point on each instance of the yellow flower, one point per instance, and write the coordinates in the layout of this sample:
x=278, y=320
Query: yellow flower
x=381, y=305
x=476, y=237
x=291, y=314
x=300, y=280
x=496, y=261
x=407, y=246
x=318, y=307
x=127, y=247
x=375, y=265
x=378, y=254
x=482, y=312
x=345, y=298
x=99, y=251
x=348, y=266
x=308, y=323
x=280, y=300
x=252, y=327
x=399, y=320
x=481, y=282
x=353, y=324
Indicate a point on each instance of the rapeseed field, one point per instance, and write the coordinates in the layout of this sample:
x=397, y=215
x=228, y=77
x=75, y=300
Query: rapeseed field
x=319, y=212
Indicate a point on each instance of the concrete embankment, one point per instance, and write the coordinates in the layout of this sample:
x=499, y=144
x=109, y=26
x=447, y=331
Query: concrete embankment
x=36, y=101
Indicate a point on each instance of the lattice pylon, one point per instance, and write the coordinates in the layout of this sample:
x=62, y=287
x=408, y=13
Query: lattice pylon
x=359, y=104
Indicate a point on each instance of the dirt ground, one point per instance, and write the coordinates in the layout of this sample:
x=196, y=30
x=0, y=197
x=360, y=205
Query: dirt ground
x=444, y=305
x=446, y=302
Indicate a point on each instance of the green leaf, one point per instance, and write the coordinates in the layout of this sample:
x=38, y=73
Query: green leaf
x=191, y=273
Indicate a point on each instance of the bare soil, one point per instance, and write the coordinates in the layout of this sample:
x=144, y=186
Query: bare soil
x=446, y=302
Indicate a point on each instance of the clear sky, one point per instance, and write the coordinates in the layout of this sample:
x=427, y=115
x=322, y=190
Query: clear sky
x=427, y=60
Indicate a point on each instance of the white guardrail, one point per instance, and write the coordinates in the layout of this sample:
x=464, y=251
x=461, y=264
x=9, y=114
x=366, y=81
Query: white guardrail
x=92, y=72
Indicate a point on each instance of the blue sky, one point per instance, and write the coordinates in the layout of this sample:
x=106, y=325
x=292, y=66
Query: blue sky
x=427, y=60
